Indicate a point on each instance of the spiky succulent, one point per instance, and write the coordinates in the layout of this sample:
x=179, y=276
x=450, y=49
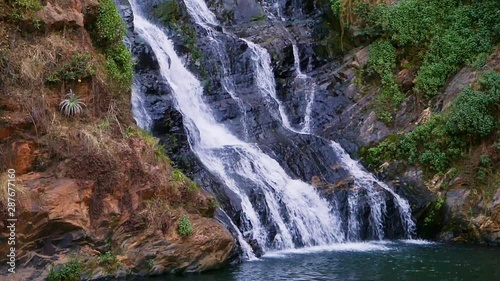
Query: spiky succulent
x=72, y=105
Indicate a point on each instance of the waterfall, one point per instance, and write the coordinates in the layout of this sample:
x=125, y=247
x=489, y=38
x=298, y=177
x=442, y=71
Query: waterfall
x=298, y=215
x=141, y=115
x=304, y=218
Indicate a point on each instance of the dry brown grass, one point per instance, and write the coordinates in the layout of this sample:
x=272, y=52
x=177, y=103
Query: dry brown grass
x=158, y=214
x=20, y=192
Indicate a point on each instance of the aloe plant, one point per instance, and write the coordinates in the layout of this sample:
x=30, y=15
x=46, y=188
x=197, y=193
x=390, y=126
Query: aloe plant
x=72, y=105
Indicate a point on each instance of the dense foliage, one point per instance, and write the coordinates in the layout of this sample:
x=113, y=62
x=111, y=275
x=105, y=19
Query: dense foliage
x=382, y=60
x=109, y=33
x=443, y=139
x=71, y=271
x=437, y=37
x=168, y=12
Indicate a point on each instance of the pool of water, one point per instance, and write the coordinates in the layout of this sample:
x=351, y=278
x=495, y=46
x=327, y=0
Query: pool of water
x=384, y=260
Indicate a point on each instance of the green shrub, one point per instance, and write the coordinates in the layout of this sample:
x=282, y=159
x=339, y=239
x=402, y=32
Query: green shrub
x=446, y=54
x=108, y=35
x=110, y=26
x=335, y=6
x=25, y=10
x=109, y=262
x=185, y=228
x=119, y=63
x=414, y=22
x=431, y=216
x=168, y=12
x=474, y=113
x=79, y=67
x=447, y=34
x=441, y=140
x=382, y=60
x=71, y=271
x=382, y=57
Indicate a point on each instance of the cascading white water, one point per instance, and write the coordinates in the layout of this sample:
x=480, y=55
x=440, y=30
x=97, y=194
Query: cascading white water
x=207, y=21
x=366, y=180
x=300, y=216
x=141, y=116
x=306, y=125
x=362, y=178
x=301, y=211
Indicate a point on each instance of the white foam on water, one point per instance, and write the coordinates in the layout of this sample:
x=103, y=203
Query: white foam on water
x=340, y=247
x=418, y=242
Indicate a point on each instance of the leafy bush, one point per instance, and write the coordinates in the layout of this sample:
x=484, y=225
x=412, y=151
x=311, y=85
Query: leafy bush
x=382, y=60
x=474, y=114
x=446, y=54
x=110, y=26
x=382, y=57
x=168, y=12
x=71, y=271
x=185, y=228
x=431, y=216
x=119, y=63
x=109, y=262
x=414, y=22
x=442, y=139
x=446, y=33
x=25, y=10
x=79, y=67
x=109, y=33
x=336, y=7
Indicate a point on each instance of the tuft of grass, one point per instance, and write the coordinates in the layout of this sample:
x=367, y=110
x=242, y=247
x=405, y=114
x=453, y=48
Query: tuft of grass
x=157, y=148
x=19, y=189
x=157, y=213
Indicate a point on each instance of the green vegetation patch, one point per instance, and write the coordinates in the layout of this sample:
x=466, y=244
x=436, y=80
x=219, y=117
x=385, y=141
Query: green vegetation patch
x=109, y=262
x=168, y=12
x=444, y=138
x=382, y=60
x=108, y=36
x=25, y=10
x=79, y=67
x=446, y=35
x=185, y=227
x=71, y=271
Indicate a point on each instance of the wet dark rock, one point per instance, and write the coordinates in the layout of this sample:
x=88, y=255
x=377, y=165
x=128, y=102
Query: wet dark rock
x=257, y=249
x=339, y=110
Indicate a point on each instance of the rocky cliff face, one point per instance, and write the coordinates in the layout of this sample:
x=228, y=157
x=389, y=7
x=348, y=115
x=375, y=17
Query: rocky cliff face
x=343, y=109
x=93, y=191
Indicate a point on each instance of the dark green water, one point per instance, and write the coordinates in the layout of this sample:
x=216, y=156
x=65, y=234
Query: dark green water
x=404, y=260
